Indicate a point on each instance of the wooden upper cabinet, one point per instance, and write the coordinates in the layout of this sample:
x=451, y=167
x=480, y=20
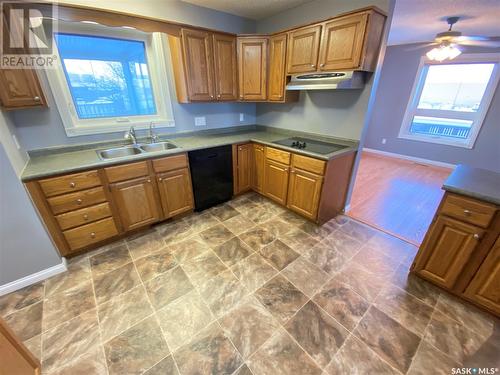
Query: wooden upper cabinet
x=277, y=75
x=225, y=67
x=136, y=202
x=304, y=193
x=197, y=52
x=446, y=250
x=20, y=89
x=302, y=51
x=252, y=68
x=176, y=192
x=484, y=288
x=342, y=42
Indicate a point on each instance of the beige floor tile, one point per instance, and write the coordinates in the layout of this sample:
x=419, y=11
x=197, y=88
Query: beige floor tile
x=20, y=299
x=254, y=271
x=151, y=266
x=307, y=277
x=27, y=322
x=168, y=287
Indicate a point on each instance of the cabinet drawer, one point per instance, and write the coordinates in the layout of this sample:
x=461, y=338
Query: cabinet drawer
x=83, y=216
x=170, y=163
x=75, y=201
x=308, y=164
x=69, y=183
x=127, y=171
x=468, y=210
x=278, y=155
x=90, y=233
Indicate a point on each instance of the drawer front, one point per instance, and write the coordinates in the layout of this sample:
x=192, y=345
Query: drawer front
x=91, y=233
x=170, y=163
x=278, y=155
x=69, y=183
x=308, y=164
x=83, y=216
x=468, y=210
x=127, y=171
x=75, y=201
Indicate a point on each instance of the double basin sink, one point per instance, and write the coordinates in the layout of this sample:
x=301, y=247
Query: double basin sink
x=142, y=148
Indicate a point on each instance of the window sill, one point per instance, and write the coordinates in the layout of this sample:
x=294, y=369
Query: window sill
x=469, y=144
x=96, y=129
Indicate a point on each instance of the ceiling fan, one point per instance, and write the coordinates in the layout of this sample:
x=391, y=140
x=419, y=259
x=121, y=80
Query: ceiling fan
x=448, y=41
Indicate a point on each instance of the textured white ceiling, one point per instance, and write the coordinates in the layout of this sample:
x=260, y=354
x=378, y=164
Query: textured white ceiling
x=420, y=20
x=254, y=9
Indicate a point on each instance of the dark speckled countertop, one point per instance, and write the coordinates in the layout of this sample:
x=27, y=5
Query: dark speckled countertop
x=60, y=160
x=474, y=182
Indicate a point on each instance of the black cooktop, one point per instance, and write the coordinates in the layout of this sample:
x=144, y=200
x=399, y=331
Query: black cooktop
x=310, y=145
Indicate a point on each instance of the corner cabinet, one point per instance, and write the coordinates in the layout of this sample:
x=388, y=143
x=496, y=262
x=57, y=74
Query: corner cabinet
x=20, y=89
x=461, y=250
x=252, y=68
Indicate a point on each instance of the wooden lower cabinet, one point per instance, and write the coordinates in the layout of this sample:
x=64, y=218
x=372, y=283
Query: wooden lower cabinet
x=244, y=170
x=136, y=202
x=484, y=288
x=276, y=181
x=175, y=192
x=259, y=164
x=304, y=191
x=89, y=234
x=16, y=358
x=446, y=250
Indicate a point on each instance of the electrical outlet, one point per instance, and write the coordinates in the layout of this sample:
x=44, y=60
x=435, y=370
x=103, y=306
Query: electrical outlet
x=200, y=121
x=384, y=141
x=242, y=117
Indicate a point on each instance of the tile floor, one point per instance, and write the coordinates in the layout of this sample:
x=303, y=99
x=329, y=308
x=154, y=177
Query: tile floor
x=249, y=288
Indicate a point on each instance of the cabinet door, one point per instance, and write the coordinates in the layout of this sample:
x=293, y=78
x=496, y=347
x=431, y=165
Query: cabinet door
x=446, y=250
x=485, y=286
x=136, y=202
x=176, y=192
x=277, y=56
x=16, y=358
x=20, y=89
x=252, y=68
x=276, y=181
x=342, y=42
x=198, y=60
x=259, y=164
x=304, y=192
x=303, y=46
x=226, y=71
x=244, y=168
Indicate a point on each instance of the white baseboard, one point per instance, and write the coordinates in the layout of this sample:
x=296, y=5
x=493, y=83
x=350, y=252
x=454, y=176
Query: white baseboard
x=33, y=278
x=411, y=158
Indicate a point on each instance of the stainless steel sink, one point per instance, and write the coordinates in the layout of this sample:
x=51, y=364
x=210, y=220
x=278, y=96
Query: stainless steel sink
x=119, y=152
x=154, y=147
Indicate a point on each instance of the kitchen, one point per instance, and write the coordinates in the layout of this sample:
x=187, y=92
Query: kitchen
x=223, y=206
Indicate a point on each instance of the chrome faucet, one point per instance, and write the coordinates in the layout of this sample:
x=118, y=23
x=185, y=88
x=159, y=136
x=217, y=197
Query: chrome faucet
x=131, y=135
x=153, y=138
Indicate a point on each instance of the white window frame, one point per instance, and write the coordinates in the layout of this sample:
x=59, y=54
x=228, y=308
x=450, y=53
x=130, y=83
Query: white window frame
x=155, y=55
x=476, y=117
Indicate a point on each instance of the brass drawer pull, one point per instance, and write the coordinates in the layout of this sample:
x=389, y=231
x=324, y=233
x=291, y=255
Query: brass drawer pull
x=477, y=236
x=79, y=201
x=467, y=213
x=72, y=185
x=85, y=217
x=92, y=235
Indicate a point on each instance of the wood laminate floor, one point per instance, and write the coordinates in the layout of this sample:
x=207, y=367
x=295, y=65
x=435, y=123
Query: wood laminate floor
x=397, y=196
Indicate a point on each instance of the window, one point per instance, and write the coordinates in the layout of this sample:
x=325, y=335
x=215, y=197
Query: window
x=449, y=100
x=109, y=79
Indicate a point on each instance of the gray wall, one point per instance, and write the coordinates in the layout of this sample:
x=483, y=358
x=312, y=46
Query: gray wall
x=398, y=74
x=338, y=113
x=25, y=247
x=43, y=128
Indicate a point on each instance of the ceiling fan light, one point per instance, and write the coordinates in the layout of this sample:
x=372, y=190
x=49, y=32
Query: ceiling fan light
x=442, y=53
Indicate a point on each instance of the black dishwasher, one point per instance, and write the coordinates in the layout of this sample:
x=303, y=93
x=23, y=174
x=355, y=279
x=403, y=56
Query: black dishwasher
x=212, y=175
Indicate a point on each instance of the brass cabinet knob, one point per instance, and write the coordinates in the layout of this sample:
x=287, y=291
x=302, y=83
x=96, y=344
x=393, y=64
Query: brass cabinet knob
x=312, y=65
x=72, y=184
x=241, y=96
x=292, y=171
x=476, y=236
x=92, y=235
x=467, y=213
x=218, y=96
x=85, y=217
x=321, y=65
x=160, y=179
x=148, y=181
x=79, y=201
x=36, y=98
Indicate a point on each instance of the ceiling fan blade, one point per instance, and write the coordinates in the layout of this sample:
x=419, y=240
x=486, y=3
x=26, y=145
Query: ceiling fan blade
x=421, y=46
x=464, y=38
x=481, y=43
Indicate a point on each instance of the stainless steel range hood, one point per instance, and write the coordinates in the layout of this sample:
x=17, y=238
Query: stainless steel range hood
x=327, y=81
